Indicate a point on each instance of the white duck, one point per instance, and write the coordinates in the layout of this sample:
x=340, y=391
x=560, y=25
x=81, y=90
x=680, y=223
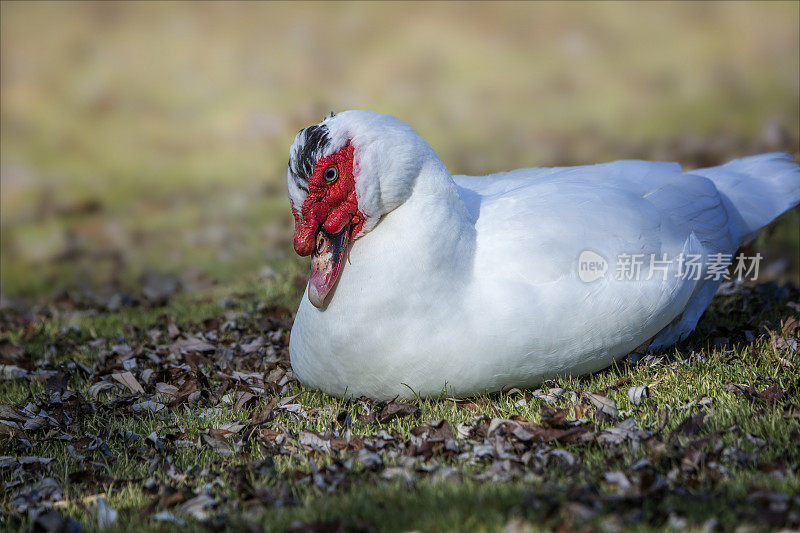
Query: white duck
x=424, y=283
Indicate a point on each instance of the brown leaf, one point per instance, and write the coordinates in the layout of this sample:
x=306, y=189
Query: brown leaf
x=198, y=506
x=525, y=430
x=166, y=388
x=314, y=441
x=790, y=327
x=772, y=466
x=553, y=417
x=193, y=344
x=187, y=391
x=572, y=434
x=215, y=439
x=580, y=409
x=245, y=398
x=437, y=429
x=231, y=427
x=99, y=387
x=771, y=395
x=148, y=406
x=271, y=434
x=128, y=379
x=258, y=417
x=787, y=344
x=604, y=405
x=383, y=412
x=637, y=394
x=475, y=404
x=7, y=461
x=740, y=388
x=397, y=410
x=44, y=490
x=254, y=346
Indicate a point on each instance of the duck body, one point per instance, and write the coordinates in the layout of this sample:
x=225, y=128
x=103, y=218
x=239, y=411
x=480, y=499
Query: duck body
x=475, y=284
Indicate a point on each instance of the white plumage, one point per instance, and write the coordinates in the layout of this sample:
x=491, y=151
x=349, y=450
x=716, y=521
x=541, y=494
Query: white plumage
x=468, y=284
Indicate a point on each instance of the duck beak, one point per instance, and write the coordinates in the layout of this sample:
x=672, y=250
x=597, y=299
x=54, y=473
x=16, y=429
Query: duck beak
x=326, y=264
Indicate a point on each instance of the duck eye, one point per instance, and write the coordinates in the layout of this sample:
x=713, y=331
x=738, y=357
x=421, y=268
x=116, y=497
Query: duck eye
x=330, y=174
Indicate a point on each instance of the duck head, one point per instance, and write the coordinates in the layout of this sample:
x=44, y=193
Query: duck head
x=344, y=174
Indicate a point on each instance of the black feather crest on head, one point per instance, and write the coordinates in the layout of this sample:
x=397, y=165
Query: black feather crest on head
x=311, y=144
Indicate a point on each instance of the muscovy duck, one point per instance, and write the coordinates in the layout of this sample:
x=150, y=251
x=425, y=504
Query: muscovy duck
x=423, y=283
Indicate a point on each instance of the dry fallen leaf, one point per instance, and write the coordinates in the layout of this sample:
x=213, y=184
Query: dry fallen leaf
x=7, y=461
x=12, y=372
x=475, y=404
x=438, y=429
x=245, y=398
x=580, y=409
x=604, y=405
x=384, y=412
x=166, y=388
x=215, y=439
x=637, y=394
x=30, y=497
x=193, y=344
x=791, y=327
x=788, y=344
x=99, y=387
x=314, y=441
x=198, y=506
x=553, y=418
x=148, y=406
x=127, y=379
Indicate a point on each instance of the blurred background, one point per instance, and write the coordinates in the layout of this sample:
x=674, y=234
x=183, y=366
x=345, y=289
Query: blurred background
x=145, y=144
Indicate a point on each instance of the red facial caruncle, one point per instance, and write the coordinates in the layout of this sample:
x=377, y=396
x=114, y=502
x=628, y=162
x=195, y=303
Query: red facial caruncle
x=331, y=202
x=327, y=220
